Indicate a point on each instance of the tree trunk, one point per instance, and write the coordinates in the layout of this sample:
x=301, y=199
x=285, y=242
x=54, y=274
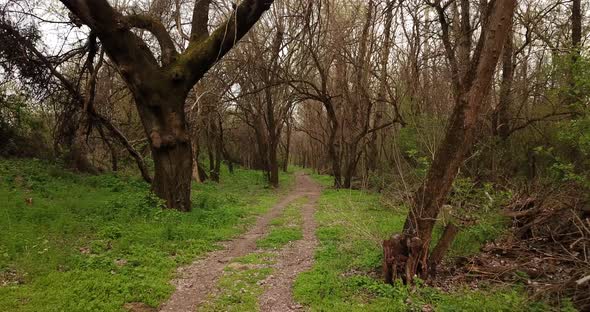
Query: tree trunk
x=373, y=154
x=171, y=148
x=332, y=150
x=223, y=152
x=413, y=251
x=350, y=168
x=287, y=146
x=173, y=172
x=571, y=97
x=273, y=163
x=501, y=122
x=348, y=175
x=576, y=27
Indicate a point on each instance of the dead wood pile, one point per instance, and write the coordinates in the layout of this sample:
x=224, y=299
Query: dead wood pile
x=548, y=247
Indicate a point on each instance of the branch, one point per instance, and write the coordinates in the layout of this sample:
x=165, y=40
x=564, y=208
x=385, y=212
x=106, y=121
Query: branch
x=178, y=21
x=539, y=119
x=155, y=27
x=201, y=55
x=131, y=54
x=449, y=50
x=200, y=23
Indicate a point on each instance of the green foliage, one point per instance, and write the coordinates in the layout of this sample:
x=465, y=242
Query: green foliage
x=22, y=131
x=565, y=150
x=561, y=170
x=409, y=142
x=480, y=203
x=576, y=132
x=93, y=243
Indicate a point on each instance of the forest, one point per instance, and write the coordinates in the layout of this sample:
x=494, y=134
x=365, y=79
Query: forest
x=294, y=155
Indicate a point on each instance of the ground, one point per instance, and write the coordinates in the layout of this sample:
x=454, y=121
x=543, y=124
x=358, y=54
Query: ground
x=72, y=242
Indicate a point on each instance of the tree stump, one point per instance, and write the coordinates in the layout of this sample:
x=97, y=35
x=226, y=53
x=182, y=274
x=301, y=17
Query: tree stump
x=403, y=258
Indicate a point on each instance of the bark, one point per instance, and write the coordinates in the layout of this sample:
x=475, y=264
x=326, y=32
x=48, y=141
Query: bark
x=459, y=136
x=382, y=91
x=575, y=53
x=576, y=25
x=172, y=181
x=443, y=245
x=332, y=149
x=501, y=122
x=223, y=150
x=362, y=106
x=213, y=145
x=199, y=173
x=274, y=166
x=199, y=25
x=171, y=148
x=273, y=140
x=287, y=145
x=348, y=176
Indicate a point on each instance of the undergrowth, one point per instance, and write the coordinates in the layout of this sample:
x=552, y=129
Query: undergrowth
x=346, y=274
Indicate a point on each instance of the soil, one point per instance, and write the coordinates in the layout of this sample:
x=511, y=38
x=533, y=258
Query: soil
x=197, y=281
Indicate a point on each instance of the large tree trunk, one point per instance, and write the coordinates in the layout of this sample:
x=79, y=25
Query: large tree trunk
x=173, y=172
x=166, y=127
x=409, y=253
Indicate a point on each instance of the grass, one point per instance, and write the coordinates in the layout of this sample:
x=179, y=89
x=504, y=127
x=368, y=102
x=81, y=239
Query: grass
x=345, y=276
x=286, y=228
x=94, y=243
x=240, y=284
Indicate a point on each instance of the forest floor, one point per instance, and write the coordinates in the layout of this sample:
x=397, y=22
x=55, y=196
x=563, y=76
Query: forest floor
x=73, y=242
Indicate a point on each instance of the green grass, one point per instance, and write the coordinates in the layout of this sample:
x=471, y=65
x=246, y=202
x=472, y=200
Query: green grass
x=345, y=276
x=240, y=284
x=93, y=243
x=286, y=228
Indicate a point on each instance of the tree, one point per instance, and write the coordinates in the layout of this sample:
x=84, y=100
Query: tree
x=161, y=86
x=410, y=251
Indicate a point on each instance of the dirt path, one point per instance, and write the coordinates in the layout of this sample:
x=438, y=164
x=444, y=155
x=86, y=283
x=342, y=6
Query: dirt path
x=199, y=279
x=296, y=258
